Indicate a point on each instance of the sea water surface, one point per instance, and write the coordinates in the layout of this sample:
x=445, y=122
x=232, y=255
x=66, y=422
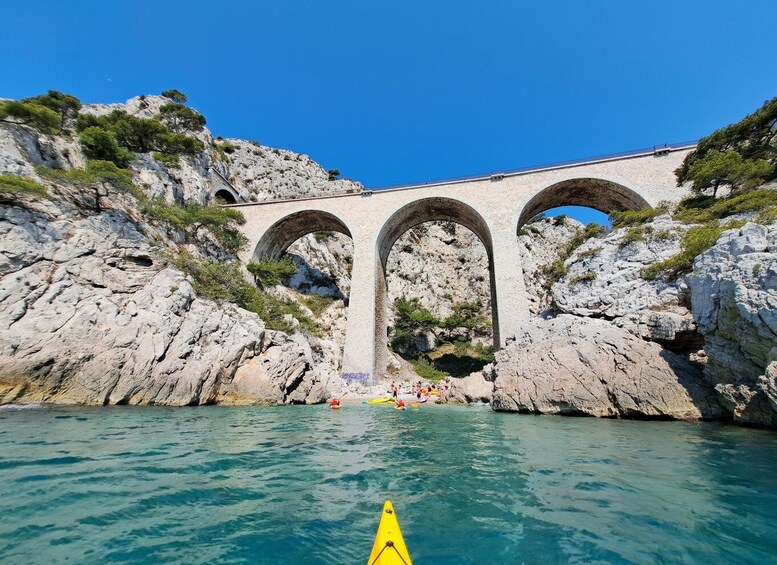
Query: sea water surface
x=307, y=484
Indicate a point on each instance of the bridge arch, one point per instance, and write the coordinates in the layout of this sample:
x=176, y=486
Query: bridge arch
x=289, y=229
x=411, y=215
x=431, y=210
x=600, y=194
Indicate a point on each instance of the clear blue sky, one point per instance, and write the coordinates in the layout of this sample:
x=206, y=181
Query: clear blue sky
x=405, y=91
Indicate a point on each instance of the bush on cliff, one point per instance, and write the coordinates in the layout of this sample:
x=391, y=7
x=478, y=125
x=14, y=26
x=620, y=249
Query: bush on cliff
x=557, y=270
x=140, y=135
x=467, y=315
x=100, y=177
x=702, y=209
x=270, y=271
x=101, y=144
x=29, y=114
x=224, y=282
x=65, y=105
x=410, y=318
x=13, y=187
x=221, y=223
x=635, y=217
x=694, y=242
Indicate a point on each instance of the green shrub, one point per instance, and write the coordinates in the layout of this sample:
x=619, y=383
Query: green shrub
x=65, y=105
x=99, y=177
x=224, y=282
x=12, y=187
x=317, y=303
x=101, y=144
x=467, y=315
x=410, y=317
x=426, y=370
x=179, y=118
x=321, y=236
x=30, y=114
x=175, y=95
x=222, y=223
x=633, y=234
x=632, y=217
x=169, y=161
x=741, y=154
x=228, y=147
x=768, y=216
x=695, y=241
x=269, y=271
x=140, y=135
x=585, y=277
x=663, y=235
x=706, y=208
x=554, y=272
x=589, y=252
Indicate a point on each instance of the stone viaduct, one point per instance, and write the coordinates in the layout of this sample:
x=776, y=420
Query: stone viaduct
x=494, y=207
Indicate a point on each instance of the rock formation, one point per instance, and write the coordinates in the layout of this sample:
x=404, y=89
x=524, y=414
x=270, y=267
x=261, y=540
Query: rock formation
x=734, y=295
x=583, y=366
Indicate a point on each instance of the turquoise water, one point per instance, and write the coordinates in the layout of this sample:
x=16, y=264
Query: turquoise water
x=306, y=485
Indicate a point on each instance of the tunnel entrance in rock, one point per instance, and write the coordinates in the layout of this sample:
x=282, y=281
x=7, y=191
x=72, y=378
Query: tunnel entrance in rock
x=320, y=248
x=437, y=298
x=224, y=196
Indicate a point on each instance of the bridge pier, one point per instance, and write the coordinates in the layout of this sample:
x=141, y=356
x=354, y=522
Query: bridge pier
x=366, y=317
x=509, y=305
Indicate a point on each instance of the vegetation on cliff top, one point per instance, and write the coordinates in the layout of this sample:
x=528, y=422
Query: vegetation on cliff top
x=742, y=155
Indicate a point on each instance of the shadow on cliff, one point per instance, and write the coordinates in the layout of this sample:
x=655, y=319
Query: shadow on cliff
x=690, y=375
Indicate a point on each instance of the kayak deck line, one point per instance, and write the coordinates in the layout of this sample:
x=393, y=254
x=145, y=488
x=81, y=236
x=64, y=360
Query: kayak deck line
x=389, y=537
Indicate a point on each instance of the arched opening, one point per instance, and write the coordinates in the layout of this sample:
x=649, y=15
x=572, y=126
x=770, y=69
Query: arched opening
x=225, y=196
x=559, y=220
x=286, y=231
x=602, y=195
x=319, y=246
x=436, y=269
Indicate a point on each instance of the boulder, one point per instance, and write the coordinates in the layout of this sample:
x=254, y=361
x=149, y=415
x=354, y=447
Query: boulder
x=582, y=366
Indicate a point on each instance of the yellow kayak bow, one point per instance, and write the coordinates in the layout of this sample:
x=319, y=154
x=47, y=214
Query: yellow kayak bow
x=389, y=547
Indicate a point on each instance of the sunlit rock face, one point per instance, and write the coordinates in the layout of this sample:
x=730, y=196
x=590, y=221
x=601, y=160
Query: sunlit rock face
x=734, y=294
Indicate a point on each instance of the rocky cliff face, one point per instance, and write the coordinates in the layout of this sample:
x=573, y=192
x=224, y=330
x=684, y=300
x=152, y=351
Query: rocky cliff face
x=734, y=295
x=91, y=315
x=604, y=282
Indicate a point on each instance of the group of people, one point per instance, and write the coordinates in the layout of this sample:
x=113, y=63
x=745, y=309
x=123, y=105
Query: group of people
x=421, y=391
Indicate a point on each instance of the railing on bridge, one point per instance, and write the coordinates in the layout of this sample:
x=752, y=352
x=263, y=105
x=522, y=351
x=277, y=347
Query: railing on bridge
x=494, y=175
x=498, y=175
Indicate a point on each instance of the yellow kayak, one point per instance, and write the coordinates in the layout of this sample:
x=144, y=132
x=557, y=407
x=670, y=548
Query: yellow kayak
x=380, y=400
x=389, y=547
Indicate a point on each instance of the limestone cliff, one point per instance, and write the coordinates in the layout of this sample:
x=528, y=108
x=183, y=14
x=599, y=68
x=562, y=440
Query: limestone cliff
x=734, y=296
x=91, y=312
